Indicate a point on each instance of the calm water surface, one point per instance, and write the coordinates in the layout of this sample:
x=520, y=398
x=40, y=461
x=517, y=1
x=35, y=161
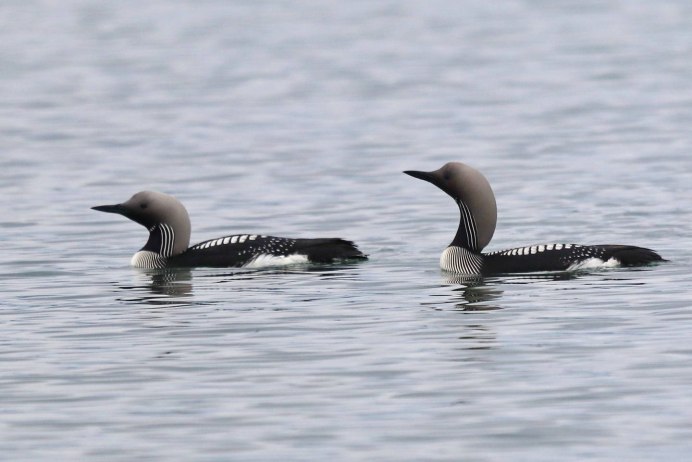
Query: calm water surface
x=296, y=119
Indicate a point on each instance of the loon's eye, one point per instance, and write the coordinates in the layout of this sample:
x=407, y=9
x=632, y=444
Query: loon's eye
x=143, y=205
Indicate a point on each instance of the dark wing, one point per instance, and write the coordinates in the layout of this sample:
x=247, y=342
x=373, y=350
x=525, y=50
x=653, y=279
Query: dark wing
x=233, y=251
x=327, y=250
x=629, y=255
x=239, y=250
x=560, y=257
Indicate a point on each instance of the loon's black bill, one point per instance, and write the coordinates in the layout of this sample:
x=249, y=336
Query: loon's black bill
x=427, y=176
x=117, y=208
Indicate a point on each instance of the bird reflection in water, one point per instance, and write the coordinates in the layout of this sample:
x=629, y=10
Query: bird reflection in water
x=161, y=287
x=473, y=293
x=478, y=293
x=173, y=286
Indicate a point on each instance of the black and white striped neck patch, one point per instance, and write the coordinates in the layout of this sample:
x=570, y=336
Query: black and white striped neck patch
x=460, y=260
x=167, y=240
x=148, y=259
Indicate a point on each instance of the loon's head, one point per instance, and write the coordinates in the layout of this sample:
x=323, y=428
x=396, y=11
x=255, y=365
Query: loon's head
x=472, y=192
x=164, y=216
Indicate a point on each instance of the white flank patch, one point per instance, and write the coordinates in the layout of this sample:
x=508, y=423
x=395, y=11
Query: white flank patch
x=592, y=263
x=264, y=260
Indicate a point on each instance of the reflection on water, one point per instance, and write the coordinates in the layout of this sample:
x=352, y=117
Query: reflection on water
x=473, y=280
x=174, y=286
x=323, y=271
x=478, y=336
x=476, y=292
x=477, y=297
x=161, y=286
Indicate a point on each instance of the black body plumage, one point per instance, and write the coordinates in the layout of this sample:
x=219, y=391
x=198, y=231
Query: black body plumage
x=562, y=257
x=169, y=227
x=242, y=250
x=478, y=217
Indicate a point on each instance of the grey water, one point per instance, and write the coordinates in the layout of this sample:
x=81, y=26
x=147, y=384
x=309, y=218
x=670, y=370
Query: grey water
x=296, y=119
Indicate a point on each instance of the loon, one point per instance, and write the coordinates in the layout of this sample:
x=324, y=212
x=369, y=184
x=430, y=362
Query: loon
x=169, y=236
x=472, y=193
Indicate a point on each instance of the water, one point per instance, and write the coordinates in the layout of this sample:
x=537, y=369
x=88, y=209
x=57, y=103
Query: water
x=296, y=119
